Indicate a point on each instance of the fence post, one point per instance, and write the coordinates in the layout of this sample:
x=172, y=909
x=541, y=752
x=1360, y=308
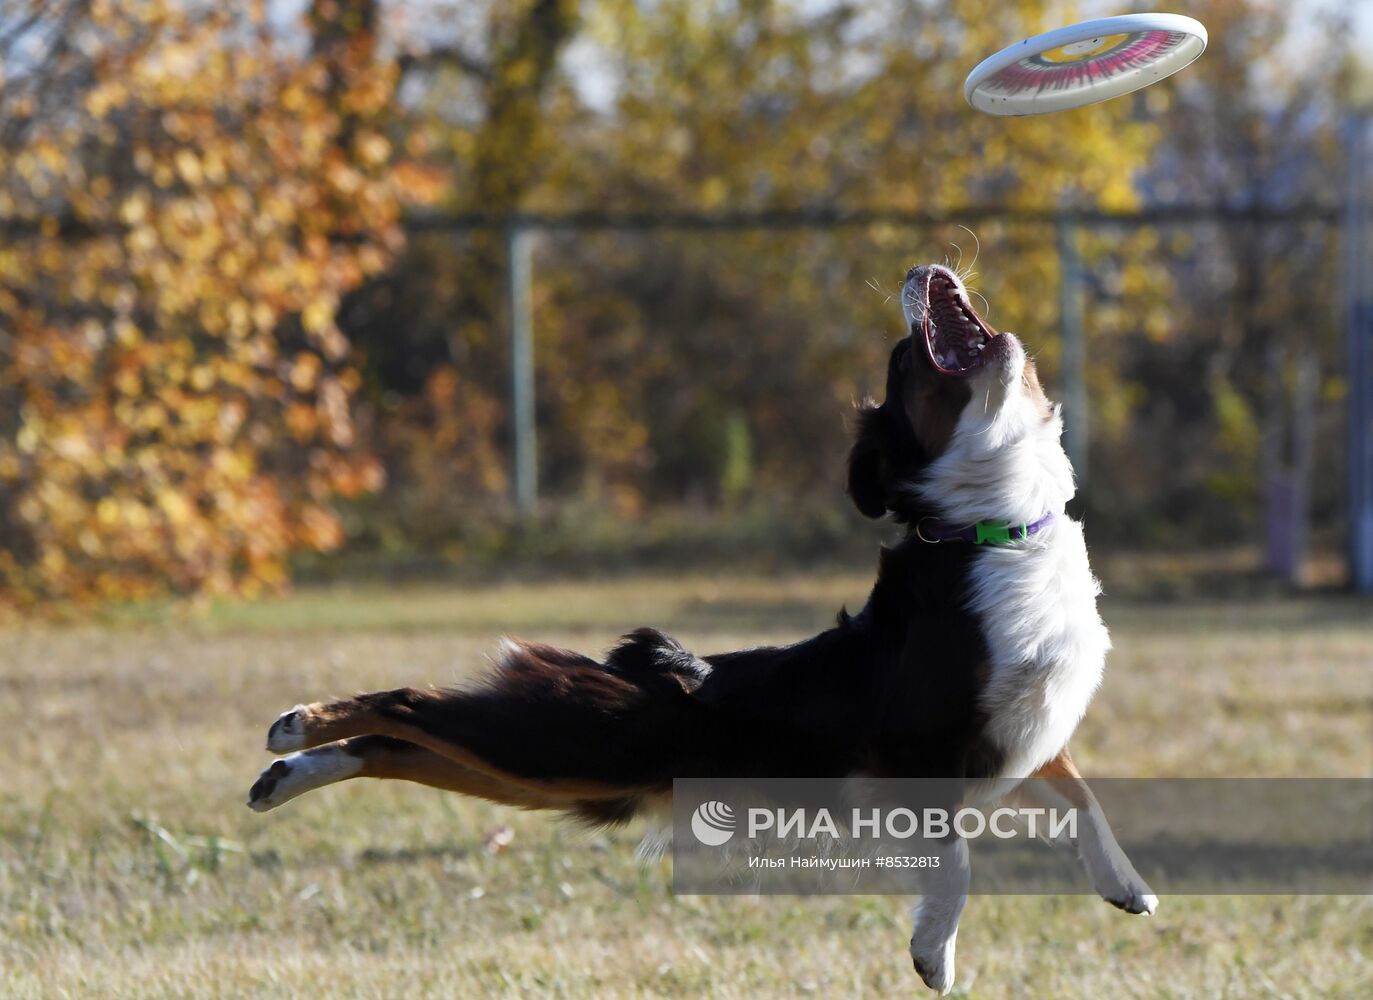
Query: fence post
x=1358, y=320
x=1074, y=347
x=524, y=444
x=1285, y=458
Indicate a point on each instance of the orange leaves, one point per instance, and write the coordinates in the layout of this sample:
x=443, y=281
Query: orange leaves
x=156, y=432
x=418, y=184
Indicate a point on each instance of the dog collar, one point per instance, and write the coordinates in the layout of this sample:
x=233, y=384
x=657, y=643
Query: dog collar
x=933, y=530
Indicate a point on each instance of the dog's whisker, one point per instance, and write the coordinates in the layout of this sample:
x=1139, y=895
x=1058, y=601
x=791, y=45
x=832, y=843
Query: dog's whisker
x=977, y=249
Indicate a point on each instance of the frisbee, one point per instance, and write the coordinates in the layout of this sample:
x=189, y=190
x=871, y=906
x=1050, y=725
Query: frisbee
x=1084, y=63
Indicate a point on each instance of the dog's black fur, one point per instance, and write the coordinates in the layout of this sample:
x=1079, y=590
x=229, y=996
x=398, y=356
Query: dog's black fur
x=890, y=691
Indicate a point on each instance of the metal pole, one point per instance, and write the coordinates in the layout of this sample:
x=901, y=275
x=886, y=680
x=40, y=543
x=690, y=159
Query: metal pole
x=1358, y=303
x=525, y=463
x=1074, y=346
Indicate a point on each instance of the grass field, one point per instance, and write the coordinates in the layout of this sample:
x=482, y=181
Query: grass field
x=129, y=866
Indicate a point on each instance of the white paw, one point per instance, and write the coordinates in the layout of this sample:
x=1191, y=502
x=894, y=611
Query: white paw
x=291, y=776
x=288, y=732
x=1138, y=900
x=933, y=962
x=1115, y=878
x=269, y=789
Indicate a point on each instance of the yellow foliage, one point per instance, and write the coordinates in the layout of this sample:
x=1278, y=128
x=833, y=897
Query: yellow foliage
x=155, y=435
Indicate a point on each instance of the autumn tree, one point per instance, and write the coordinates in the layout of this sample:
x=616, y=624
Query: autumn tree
x=185, y=198
x=1236, y=377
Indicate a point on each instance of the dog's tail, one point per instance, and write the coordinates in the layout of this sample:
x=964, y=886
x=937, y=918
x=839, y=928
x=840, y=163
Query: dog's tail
x=599, y=739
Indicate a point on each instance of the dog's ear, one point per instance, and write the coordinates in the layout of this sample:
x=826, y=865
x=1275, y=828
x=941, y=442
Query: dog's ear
x=868, y=463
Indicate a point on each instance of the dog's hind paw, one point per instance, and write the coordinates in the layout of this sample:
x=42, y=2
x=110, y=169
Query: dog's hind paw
x=264, y=793
x=288, y=777
x=934, y=965
x=288, y=731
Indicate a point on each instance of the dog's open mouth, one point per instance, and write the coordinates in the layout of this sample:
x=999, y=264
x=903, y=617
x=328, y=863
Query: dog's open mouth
x=956, y=338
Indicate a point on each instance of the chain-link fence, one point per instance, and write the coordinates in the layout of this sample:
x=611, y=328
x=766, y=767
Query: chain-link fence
x=1204, y=353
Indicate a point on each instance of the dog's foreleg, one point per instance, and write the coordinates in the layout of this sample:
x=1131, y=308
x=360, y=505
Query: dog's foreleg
x=1059, y=785
x=380, y=757
x=945, y=891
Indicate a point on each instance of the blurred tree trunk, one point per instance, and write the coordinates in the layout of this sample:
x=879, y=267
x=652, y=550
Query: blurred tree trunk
x=1289, y=431
x=511, y=77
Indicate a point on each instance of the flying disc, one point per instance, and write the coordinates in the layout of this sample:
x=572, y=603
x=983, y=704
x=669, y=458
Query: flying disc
x=1084, y=63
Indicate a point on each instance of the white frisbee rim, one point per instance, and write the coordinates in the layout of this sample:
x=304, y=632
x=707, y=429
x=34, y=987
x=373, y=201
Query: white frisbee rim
x=1176, y=59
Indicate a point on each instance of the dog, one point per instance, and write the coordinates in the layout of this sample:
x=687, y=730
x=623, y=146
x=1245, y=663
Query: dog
x=974, y=658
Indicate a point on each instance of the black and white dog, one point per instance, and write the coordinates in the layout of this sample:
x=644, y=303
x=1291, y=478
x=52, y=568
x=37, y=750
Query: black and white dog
x=974, y=658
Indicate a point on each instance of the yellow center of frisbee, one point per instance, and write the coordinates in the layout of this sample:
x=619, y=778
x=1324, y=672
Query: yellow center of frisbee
x=1078, y=51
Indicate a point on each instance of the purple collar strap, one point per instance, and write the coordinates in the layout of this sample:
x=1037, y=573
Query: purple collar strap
x=932, y=530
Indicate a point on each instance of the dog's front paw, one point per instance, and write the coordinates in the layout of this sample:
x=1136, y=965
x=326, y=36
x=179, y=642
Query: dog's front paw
x=1115, y=878
x=1137, y=900
x=934, y=963
x=1121, y=886
x=288, y=732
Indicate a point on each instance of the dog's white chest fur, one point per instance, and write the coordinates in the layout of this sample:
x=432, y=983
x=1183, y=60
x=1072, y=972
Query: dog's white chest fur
x=1048, y=645
x=1036, y=598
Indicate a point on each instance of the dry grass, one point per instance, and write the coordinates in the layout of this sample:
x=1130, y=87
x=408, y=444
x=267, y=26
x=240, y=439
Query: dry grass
x=129, y=866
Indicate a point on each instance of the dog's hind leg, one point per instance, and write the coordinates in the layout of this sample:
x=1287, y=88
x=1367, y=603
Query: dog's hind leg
x=453, y=725
x=555, y=723
x=307, y=726
x=1059, y=785
x=382, y=757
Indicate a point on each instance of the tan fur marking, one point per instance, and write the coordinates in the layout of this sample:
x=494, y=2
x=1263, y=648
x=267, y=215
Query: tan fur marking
x=1067, y=779
x=417, y=764
x=339, y=720
x=1035, y=391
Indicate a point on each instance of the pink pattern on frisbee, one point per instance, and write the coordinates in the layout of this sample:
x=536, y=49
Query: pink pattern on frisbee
x=1035, y=73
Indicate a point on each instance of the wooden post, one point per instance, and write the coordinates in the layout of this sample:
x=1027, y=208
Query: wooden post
x=524, y=441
